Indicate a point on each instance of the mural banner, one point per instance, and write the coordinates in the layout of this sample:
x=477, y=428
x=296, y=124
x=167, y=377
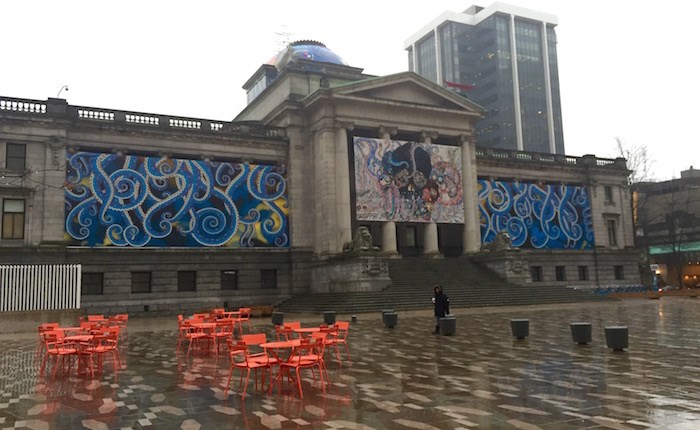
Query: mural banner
x=136, y=201
x=539, y=216
x=408, y=181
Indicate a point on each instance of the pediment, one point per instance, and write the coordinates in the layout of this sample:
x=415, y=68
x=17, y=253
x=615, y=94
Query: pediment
x=407, y=88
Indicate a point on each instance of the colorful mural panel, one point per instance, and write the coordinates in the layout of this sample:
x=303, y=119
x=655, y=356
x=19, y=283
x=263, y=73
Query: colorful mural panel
x=407, y=181
x=537, y=216
x=135, y=201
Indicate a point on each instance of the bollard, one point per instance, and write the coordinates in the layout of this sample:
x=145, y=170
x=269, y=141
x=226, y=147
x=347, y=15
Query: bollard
x=617, y=337
x=581, y=332
x=329, y=317
x=277, y=318
x=354, y=318
x=448, y=325
x=391, y=319
x=384, y=312
x=520, y=328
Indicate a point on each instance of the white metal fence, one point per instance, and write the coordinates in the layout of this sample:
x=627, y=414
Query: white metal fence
x=39, y=287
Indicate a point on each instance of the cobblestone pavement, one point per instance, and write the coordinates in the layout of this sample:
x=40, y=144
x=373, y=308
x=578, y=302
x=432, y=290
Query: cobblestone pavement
x=402, y=378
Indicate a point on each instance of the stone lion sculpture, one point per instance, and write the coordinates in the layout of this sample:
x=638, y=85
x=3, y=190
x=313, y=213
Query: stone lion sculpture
x=362, y=241
x=499, y=243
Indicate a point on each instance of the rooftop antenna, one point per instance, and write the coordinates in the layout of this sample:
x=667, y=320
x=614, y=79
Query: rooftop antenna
x=65, y=87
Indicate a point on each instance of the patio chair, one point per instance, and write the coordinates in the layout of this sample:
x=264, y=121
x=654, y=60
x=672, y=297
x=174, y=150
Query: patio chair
x=309, y=354
x=241, y=359
x=56, y=350
x=341, y=337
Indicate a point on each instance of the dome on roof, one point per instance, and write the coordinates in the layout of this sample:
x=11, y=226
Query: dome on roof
x=308, y=50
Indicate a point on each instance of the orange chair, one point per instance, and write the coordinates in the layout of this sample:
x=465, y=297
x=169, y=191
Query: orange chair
x=43, y=328
x=309, y=354
x=223, y=332
x=341, y=337
x=257, y=339
x=243, y=316
x=57, y=350
x=283, y=333
x=103, y=342
x=241, y=359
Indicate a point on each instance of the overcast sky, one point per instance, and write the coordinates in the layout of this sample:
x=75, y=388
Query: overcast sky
x=627, y=68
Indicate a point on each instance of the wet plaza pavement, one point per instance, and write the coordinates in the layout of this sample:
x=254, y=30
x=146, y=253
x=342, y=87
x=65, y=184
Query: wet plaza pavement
x=401, y=378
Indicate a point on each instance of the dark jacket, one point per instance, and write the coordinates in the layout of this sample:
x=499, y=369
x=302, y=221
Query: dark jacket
x=442, y=304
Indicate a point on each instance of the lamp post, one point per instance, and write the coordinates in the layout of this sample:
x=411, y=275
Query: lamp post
x=65, y=87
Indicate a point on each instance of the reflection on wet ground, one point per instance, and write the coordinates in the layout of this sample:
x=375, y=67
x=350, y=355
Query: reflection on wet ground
x=402, y=378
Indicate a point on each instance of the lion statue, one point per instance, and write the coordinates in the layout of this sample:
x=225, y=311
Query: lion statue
x=499, y=243
x=362, y=241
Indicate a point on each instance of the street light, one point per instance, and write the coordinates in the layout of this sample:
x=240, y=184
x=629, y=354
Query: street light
x=65, y=87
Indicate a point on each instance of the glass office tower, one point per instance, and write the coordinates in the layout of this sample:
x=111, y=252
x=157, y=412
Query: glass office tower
x=504, y=58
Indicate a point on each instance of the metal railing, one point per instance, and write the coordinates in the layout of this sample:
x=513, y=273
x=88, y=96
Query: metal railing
x=39, y=287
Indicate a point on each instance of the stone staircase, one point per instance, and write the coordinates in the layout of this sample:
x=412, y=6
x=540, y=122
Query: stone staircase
x=466, y=284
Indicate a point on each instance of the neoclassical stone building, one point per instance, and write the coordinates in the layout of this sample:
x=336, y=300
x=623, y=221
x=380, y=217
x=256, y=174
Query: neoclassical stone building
x=169, y=214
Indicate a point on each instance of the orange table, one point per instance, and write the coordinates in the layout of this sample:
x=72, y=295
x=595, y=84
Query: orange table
x=274, y=347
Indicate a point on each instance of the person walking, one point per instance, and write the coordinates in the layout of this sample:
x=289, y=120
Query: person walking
x=442, y=306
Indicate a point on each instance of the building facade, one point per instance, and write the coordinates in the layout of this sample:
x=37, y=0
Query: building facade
x=171, y=215
x=504, y=58
x=667, y=227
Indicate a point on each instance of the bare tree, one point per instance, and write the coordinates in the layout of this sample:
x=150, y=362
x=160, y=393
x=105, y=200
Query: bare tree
x=638, y=162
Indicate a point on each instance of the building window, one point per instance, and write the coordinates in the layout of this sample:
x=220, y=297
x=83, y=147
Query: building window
x=608, y=194
x=411, y=236
x=12, y=219
x=536, y=273
x=92, y=284
x=229, y=280
x=187, y=280
x=582, y=273
x=619, y=272
x=140, y=282
x=15, y=156
x=268, y=279
x=612, y=232
x=560, y=273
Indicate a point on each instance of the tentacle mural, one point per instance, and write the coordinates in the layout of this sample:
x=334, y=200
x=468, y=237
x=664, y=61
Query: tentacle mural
x=133, y=201
x=534, y=215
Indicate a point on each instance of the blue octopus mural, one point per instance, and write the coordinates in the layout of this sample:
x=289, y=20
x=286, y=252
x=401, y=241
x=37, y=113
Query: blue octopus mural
x=540, y=216
x=137, y=201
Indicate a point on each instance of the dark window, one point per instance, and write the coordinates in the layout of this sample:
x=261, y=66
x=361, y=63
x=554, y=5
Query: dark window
x=560, y=273
x=140, y=282
x=15, y=156
x=229, y=280
x=582, y=273
x=608, y=194
x=536, y=273
x=268, y=279
x=92, y=284
x=187, y=280
x=619, y=272
x=12, y=219
x=612, y=232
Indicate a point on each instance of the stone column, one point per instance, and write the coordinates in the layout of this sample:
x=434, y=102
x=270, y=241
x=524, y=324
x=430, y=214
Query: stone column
x=389, y=227
x=342, y=172
x=471, y=240
x=430, y=230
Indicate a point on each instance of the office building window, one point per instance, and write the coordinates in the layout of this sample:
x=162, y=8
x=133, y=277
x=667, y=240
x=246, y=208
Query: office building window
x=268, y=279
x=612, y=232
x=15, y=156
x=619, y=272
x=536, y=273
x=560, y=273
x=187, y=280
x=229, y=280
x=12, y=219
x=92, y=284
x=140, y=282
x=582, y=273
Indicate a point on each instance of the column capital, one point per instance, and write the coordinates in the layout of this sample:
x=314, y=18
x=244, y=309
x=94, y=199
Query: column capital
x=347, y=125
x=428, y=136
x=468, y=137
x=385, y=131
